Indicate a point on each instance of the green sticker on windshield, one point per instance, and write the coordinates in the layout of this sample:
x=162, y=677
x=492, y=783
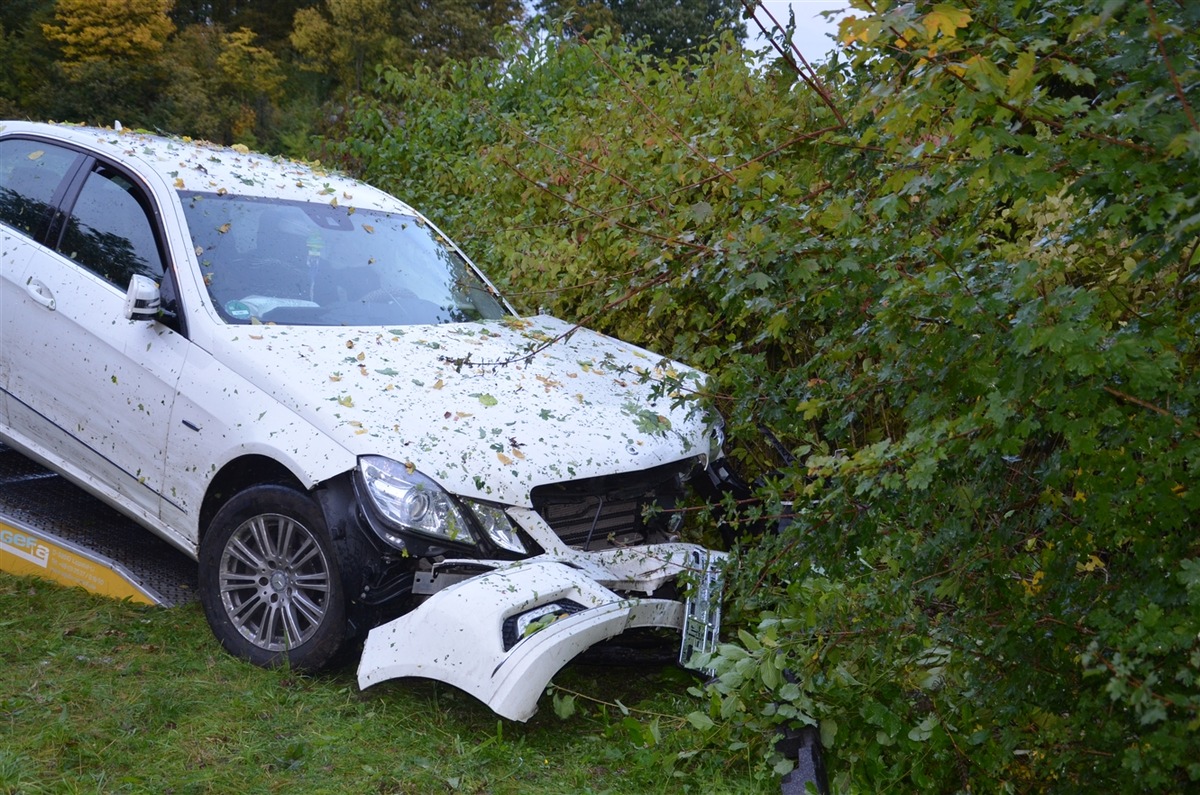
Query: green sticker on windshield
x=238, y=310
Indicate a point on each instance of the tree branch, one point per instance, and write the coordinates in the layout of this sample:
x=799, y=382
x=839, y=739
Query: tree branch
x=805, y=73
x=1162, y=49
x=1123, y=396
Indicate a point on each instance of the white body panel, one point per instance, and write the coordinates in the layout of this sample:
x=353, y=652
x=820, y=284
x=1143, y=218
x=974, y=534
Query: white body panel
x=85, y=384
x=575, y=409
x=15, y=252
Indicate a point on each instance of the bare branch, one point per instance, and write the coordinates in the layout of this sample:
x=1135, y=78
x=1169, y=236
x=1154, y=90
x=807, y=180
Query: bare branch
x=1124, y=396
x=804, y=70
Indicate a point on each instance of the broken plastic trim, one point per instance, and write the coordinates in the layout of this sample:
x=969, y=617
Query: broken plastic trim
x=457, y=635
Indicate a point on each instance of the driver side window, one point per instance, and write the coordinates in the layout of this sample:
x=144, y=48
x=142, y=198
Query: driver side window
x=111, y=230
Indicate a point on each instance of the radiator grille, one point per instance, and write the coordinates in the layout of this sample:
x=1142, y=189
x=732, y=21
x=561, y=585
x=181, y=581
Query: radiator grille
x=609, y=511
x=595, y=523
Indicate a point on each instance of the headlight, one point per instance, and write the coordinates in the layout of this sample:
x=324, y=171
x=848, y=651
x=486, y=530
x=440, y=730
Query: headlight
x=412, y=501
x=496, y=524
x=416, y=503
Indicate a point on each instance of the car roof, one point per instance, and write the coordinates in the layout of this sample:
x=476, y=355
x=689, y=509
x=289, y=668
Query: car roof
x=202, y=166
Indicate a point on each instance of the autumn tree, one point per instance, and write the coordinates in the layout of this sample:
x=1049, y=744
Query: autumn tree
x=109, y=31
x=223, y=86
x=250, y=76
x=344, y=38
x=341, y=37
x=109, y=62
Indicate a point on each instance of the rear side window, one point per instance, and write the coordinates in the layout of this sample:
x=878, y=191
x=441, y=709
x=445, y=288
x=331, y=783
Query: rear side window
x=111, y=229
x=30, y=175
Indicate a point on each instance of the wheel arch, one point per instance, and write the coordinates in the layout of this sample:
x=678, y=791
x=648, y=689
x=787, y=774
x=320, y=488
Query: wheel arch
x=238, y=475
x=359, y=560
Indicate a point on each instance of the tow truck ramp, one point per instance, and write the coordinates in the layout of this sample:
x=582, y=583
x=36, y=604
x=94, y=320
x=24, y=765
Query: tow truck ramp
x=49, y=528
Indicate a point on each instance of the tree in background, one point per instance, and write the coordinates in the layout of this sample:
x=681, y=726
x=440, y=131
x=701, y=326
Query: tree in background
x=14, y=14
x=433, y=32
x=110, y=59
x=113, y=32
x=669, y=28
x=18, y=60
x=342, y=37
x=9, y=73
x=27, y=59
x=271, y=20
x=346, y=39
x=225, y=69
x=580, y=17
x=251, y=81
x=127, y=61
x=222, y=86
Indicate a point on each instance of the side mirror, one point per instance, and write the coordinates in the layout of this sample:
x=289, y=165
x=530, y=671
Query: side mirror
x=142, y=299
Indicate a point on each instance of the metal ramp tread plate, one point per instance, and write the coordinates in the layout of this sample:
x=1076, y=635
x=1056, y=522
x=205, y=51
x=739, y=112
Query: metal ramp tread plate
x=88, y=536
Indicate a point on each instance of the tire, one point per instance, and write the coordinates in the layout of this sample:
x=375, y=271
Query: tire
x=270, y=580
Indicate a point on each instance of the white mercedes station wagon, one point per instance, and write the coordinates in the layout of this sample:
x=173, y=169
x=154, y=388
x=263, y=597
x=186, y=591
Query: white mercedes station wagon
x=300, y=382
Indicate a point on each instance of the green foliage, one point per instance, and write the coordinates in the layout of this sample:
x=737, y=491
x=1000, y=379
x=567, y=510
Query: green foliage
x=347, y=39
x=955, y=274
x=1007, y=407
x=19, y=62
x=665, y=29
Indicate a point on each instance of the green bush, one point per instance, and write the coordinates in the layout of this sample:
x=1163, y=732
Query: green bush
x=959, y=286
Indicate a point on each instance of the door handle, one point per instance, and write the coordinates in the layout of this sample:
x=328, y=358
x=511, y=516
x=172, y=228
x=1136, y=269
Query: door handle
x=39, y=292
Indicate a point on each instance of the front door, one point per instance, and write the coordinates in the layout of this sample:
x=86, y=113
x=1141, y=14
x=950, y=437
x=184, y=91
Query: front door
x=90, y=391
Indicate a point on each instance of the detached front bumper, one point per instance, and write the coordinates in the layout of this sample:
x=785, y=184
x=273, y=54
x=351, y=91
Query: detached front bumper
x=502, y=635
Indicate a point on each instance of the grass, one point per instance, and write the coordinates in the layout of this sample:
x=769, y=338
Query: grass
x=103, y=696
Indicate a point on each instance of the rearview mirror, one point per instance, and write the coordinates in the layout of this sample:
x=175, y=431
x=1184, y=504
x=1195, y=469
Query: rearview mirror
x=142, y=299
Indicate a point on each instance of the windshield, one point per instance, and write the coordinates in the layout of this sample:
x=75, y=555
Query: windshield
x=302, y=263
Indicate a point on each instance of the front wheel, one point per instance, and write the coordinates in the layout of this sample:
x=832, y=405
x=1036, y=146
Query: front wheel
x=270, y=579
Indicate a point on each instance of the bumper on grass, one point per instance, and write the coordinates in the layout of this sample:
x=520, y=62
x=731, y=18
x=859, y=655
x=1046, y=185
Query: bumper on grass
x=502, y=635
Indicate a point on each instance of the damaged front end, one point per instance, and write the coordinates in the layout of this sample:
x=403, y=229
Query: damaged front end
x=500, y=630
x=560, y=533
x=601, y=558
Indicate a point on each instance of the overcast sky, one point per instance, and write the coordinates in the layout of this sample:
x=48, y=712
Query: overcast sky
x=812, y=29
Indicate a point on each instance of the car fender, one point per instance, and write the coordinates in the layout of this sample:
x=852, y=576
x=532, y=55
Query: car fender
x=219, y=416
x=458, y=636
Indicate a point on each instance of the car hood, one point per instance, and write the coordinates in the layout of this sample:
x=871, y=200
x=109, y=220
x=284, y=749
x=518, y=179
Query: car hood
x=489, y=409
